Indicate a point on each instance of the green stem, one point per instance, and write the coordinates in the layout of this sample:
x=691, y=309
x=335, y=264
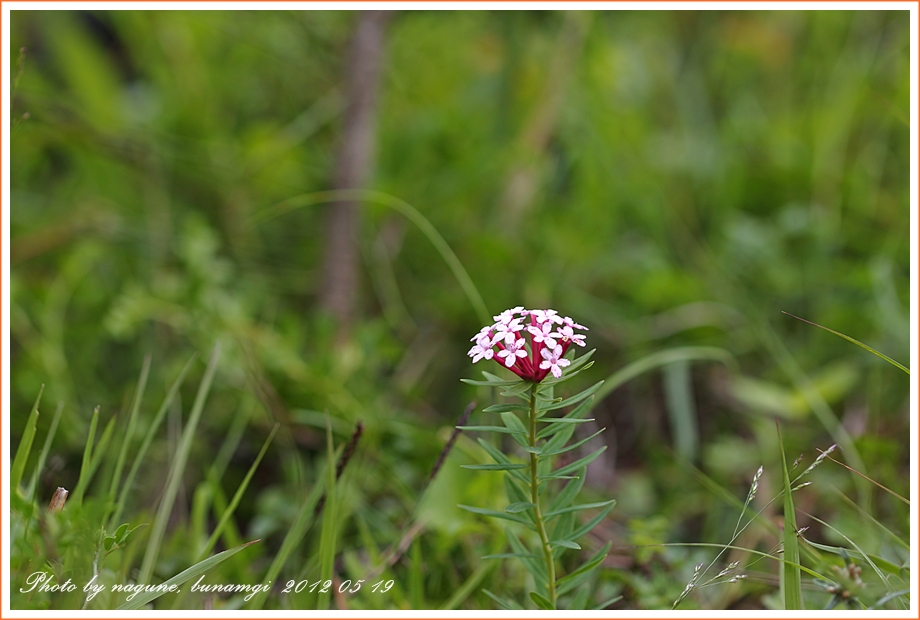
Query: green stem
x=535, y=499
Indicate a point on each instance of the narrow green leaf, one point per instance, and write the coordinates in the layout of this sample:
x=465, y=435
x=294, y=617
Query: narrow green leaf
x=590, y=525
x=578, y=364
x=518, y=507
x=555, y=477
x=791, y=576
x=495, y=466
x=579, y=507
x=505, y=556
x=502, y=407
x=513, y=423
x=608, y=603
x=576, y=577
x=25, y=444
x=490, y=429
x=518, y=390
x=489, y=383
x=568, y=544
x=557, y=423
x=329, y=525
x=493, y=513
x=854, y=341
x=496, y=379
x=577, y=398
x=576, y=465
x=174, y=478
x=572, y=446
x=129, y=430
x=190, y=573
x=571, y=490
x=541, y=601
x=563, y=434
x=83, y=480
x=128, y=484
x=504, y=604
x=515, y=492
x=43, y=456
x=238, y=496
x=534, y=565
x=497, y=455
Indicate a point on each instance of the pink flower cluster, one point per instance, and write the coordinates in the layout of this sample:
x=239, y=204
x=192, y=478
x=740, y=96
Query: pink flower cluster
x=530, y=343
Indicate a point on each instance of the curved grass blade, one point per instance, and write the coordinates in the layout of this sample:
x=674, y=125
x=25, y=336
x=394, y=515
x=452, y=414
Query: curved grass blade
x=854, y=341
x=25, y=444
x=401, y=206
x=189, y=573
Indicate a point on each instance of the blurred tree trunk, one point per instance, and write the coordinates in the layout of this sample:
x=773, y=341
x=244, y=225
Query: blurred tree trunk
x=354, y=166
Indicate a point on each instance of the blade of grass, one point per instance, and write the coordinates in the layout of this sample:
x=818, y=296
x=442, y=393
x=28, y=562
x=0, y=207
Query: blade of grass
x=189, y=573
x=148, y=439
x=76, y=497
x=99, y=452
x=239, y=493
x=854, y=341
x=25, y=444
x=407, y=210
x=791, y=576
x=46, y=448
x=177, y=470
x=129, y=431
x=294, y=536
x=327, y=541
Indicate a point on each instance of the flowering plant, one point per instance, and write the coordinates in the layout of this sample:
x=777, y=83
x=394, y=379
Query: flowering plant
x=532, y=344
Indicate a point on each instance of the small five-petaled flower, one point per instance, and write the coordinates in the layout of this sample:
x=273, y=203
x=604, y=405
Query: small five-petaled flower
x=530, y=343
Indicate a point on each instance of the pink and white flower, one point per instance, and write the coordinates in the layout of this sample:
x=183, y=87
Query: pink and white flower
x=513, y=351
x=544, y=334
x=524, y=342
x=482, y=349
x=553, y=360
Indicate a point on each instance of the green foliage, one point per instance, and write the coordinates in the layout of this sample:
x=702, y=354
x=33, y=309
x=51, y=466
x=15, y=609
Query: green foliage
x=676, y=180
x=527, y=492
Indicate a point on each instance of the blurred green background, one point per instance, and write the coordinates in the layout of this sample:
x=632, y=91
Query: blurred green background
x=668, y=179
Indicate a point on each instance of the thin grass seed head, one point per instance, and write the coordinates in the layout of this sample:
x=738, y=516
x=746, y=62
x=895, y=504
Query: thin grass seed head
x=818, y=460
x=530, y=343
